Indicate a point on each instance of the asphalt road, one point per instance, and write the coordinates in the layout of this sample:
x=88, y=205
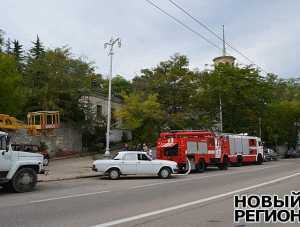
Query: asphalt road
x=196, y=200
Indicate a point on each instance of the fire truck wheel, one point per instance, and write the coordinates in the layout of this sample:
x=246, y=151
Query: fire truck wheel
x=201, y=166
x=164, y=173
x=224, y=165
x=259, y=159
x=239, y=161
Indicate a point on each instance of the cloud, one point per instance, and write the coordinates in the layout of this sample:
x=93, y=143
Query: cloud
x=266, y=31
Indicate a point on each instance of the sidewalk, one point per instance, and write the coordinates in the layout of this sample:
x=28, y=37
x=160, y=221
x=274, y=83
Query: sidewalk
x=71, y=168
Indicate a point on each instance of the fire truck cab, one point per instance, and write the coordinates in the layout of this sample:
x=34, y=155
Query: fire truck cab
x=245, y=149
x=200, y=148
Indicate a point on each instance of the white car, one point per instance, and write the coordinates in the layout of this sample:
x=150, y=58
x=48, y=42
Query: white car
x=134, y=163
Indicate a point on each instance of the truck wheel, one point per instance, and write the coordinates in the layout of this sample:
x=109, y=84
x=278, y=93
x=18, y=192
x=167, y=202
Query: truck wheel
x=24, y=180
x=259, y=160
x=164, y=173
x=224, y=165
x=239, y=161
x=114, y=174
x=201, y=166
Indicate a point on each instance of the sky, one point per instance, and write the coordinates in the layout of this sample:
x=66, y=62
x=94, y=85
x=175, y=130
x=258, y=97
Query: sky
x=266, y=31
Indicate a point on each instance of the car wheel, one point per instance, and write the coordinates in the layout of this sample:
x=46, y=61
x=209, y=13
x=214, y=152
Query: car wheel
x=164, y=173
x=259, y=160
x=24, y=180
x=114, y=174
x=7, y=187
x=201, y=166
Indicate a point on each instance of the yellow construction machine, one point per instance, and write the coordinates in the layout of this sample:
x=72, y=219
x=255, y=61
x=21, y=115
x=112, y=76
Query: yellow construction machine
x=40, y=122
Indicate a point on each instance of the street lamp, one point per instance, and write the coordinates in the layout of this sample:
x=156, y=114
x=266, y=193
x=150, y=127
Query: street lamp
x=110, y=45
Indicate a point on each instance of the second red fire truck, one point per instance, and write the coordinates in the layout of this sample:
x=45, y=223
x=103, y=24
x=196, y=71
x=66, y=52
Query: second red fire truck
x=206, y=148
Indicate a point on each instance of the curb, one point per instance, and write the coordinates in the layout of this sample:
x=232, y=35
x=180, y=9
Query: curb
x=70, y=156
x=70, y=178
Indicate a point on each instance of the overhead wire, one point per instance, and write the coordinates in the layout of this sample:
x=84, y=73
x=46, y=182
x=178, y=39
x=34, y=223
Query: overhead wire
x=198, y=33
x=183, y=24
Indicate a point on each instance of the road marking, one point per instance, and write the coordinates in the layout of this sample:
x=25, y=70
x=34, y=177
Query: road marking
x=203, y=177
x=68, y=196
x=149, y=185
x=144, y=215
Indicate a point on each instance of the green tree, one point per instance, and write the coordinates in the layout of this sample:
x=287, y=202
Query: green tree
x=119, y=85
x=37, y=50
x=281, y=123
x=8, y=48
x=244, y=96
x=142, y=116
x=175, y=86
x=56, y=82
x=11, y=97
x=18, y=54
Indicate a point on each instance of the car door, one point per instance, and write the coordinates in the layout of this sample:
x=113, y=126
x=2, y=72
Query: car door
x=5, y=158
x=129, y=164
x=144, y=165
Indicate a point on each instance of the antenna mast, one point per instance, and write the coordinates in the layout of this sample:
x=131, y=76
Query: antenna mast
x=224, y=47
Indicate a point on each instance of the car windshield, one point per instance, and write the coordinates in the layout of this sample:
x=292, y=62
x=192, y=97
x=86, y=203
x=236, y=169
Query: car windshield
x=118, y=156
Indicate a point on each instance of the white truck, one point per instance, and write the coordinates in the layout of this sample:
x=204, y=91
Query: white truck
x=18, y=170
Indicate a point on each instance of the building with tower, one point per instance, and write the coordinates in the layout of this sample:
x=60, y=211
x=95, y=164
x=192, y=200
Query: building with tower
x=224, y=59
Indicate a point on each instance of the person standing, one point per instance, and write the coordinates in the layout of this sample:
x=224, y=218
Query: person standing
x=147, y=150
x=125, y=147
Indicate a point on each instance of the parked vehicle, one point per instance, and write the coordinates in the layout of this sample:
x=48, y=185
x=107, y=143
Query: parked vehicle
x=18, y=170
x=206, y=148
x=200, y=148
x=270, y=155
x=293, y=153
x=134, y=163
x=33, y=148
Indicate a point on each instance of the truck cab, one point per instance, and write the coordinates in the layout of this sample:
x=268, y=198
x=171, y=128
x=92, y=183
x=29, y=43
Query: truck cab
x=18, y=170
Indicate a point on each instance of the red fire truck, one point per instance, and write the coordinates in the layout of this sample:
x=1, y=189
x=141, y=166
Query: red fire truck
x=206, y=148
x=201, y=148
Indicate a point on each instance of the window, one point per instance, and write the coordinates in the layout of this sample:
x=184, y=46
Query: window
x=113, y=117
x=192, y=147
x=93, y=83
x=143, y=157
x=99, y=112
x=16, y=147
x=252, y=142
x=202, y=148
x=171, y=151
x=118, y=156
x=3, y=143
x=131, y=157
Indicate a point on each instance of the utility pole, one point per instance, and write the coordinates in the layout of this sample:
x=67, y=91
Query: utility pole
x=259, y=122
x=110, y=45
x=221, y=114
x=220, y=98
